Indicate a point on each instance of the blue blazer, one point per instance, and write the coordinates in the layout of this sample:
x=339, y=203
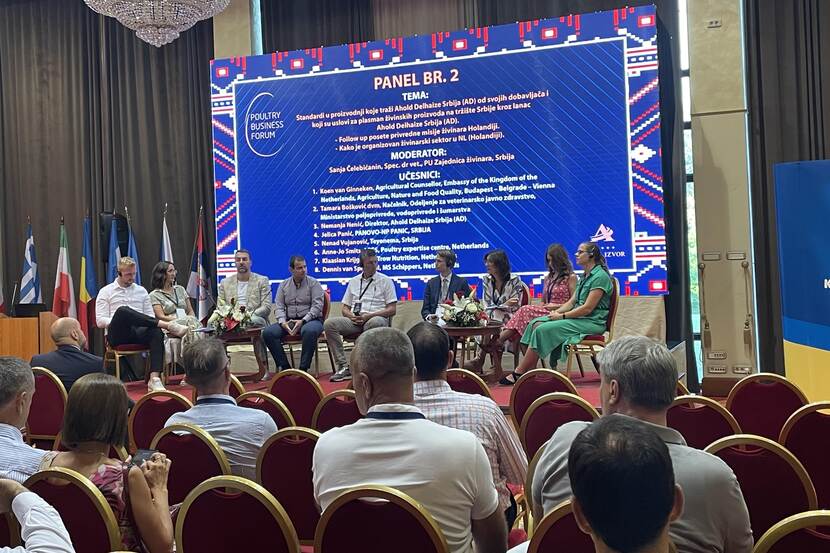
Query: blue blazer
x=433, y=291
x=69, y=364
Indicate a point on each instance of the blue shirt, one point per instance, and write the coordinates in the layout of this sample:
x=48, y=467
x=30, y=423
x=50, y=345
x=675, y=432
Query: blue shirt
x=18, y=460
x=239, y=431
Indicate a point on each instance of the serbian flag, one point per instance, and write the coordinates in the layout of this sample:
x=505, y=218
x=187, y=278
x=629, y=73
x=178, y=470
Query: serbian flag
x=198, y=286
x=63, y=302
x=88, y=282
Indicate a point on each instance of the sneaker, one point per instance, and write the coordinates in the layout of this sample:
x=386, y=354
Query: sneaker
x=155, y=385
x=341, y=375
x=177, y=330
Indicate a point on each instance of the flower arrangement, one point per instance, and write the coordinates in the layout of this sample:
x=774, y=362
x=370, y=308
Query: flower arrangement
x=230, y=318
x=464, y=311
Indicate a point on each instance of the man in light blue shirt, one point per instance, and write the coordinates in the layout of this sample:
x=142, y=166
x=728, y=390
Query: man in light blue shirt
x=18, y=461
x=239, y=431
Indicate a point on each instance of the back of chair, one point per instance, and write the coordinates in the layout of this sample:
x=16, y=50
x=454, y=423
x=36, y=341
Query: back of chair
x=268, y=403
x=228, y=514
x=284, y=469
x=558, y=531
x=534, y=384
x=797, y=534
x=150, y=413
x=763, y=402
x=48, y=403
x=300, y=392
x=547, y=414
x=338, y=408
x=9, y=531
x=682, y=390
x=84, y=511
x=326, y=306
x=402, y=524
x=806, y=435
x=525, y=299
x=701, y=420
x=774, y=484
x=462, y=380
x=195, y=457
x=236, y=388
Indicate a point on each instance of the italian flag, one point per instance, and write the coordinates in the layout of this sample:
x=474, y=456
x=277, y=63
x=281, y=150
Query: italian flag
x=63, y=304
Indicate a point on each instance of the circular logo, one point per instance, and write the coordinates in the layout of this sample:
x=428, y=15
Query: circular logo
x=263, y=126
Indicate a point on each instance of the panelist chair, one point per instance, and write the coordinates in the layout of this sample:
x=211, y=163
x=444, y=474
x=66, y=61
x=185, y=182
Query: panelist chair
x=114, y=355
x=592, y=344
x=291, y=341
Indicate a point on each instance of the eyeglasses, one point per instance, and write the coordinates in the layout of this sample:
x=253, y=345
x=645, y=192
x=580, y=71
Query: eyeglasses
x=581, y=251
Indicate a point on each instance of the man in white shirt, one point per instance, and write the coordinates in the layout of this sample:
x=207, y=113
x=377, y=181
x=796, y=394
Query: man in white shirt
x=444, y=469
x=369, y=302
x=240, y=431
x=41, y=528
x=18, y=461
x=123, y=309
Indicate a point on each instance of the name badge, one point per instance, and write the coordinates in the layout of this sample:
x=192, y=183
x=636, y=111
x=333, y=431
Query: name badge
x=180, y=313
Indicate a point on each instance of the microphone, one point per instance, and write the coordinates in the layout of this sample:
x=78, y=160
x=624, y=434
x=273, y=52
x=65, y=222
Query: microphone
x=12, y=303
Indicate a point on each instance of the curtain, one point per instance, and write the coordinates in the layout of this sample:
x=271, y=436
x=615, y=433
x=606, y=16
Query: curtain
x=789, y=108
x=296, y=24
x=397, y=18
x=92, y=119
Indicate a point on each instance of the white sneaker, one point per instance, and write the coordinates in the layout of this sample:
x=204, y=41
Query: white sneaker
x=155, y=385
x=177, y=330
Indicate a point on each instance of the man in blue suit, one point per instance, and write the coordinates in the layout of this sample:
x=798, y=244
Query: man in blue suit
x=69, y=362
x=445, y=285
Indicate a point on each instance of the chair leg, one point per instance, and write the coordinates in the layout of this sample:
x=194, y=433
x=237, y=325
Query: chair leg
x=117, y=366
x=579, y=364
x=570, y=359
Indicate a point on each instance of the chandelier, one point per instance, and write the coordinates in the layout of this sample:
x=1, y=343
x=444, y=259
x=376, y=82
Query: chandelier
x=158, y=22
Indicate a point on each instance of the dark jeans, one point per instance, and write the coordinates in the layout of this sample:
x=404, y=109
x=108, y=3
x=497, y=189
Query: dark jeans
x=309, y=333
x=128, y=326
x=511, y=512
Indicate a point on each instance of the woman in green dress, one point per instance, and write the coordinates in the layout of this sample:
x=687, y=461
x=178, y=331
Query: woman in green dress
x=584, y=314
x=170, y=301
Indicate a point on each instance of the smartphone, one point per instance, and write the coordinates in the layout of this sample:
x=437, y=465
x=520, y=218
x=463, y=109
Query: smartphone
x=142, y=455
x=356, y=308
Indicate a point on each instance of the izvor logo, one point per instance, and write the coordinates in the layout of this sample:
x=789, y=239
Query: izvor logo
x=263, y=126
x=603, y=234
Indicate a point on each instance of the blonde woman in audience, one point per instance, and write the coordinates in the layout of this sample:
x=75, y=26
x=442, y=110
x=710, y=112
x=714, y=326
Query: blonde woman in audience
x=95, y=420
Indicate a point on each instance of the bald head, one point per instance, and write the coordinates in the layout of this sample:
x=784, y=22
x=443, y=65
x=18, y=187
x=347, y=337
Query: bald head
x=66, y=331
x=383, y=368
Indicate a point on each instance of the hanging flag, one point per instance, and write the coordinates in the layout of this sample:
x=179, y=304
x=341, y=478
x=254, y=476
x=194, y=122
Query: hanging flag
x=114, y=253
x=30, y=283
x=166, y=253
x=63, y=301
x=198, y=286
x=88, y=282
x=132, y=251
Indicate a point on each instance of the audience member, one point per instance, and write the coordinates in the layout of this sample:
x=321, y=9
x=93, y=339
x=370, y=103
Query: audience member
x=299, y=307
x=170, y=301
x=69, y=362
x=624, y=494
x=246, y=288
x=94, y=421
x=18, y=461
x=445, y=286
x=501, y=296
x=123, y=308
x=473, y=413
x=585, y=313
x=239, y=431
x=444, y=469
x=41, y=528
x=369, y=302
x=638, y=379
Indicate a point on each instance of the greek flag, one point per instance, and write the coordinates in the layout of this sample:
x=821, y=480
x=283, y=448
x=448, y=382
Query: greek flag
x=30, y=283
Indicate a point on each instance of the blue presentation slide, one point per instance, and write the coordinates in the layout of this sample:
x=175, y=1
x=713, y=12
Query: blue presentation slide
x=447, y=140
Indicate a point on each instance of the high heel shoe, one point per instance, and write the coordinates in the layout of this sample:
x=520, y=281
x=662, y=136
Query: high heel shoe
x=510, y=379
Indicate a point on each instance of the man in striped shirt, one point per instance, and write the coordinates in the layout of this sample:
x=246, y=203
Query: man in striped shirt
x=18, y=461
x=476, y=414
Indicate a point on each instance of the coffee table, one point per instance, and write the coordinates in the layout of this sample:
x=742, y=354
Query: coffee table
x=491, y=331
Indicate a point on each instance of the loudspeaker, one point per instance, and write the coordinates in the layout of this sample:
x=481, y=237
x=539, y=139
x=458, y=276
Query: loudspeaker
x=105, y=219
